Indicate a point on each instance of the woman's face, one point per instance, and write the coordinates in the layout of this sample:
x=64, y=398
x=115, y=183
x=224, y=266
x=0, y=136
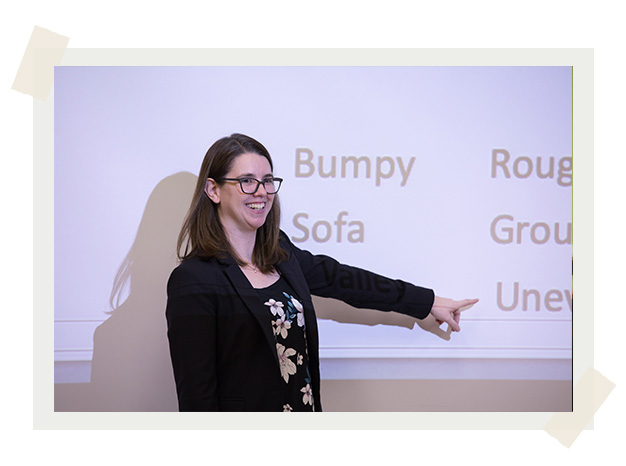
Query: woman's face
x=240, y=212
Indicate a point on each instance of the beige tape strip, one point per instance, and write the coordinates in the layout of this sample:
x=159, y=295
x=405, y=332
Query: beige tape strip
x=43, y=62
x=589, y=394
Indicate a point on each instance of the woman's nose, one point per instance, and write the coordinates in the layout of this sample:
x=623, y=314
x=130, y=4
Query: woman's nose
x=258, y=191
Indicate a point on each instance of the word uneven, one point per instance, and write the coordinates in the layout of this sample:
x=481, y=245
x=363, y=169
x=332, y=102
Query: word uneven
x=552, y=300
x=333, y=167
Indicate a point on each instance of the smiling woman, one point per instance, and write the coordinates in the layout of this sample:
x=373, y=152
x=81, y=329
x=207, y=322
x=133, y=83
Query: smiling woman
x=203, y=233
x=241, y=323
x=242, y=209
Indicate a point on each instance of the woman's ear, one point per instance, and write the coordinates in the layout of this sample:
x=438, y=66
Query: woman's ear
x=212, y=190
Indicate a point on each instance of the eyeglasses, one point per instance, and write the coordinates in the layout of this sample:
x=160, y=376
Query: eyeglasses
x=251, y=185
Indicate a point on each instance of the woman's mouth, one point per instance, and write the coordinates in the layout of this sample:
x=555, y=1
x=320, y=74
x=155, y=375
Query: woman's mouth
x=256, y=206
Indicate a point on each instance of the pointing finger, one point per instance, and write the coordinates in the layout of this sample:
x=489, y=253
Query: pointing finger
x=466, y=304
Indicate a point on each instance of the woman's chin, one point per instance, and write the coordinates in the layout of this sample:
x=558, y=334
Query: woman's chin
x=256, y=223
x=256, y=220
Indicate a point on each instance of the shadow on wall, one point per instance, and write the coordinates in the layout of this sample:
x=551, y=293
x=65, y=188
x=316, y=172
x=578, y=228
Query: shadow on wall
x=131, y=368
x=338, y=311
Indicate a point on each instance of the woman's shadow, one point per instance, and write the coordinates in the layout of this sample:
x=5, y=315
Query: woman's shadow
x=131, y=368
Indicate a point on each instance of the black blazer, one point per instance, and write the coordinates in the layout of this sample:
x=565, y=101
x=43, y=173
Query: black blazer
x=222, y=343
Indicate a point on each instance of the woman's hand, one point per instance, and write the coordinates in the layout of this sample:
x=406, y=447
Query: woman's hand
x=449, y=311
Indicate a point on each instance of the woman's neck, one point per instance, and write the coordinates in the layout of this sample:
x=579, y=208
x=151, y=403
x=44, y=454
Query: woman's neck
x=243, y=244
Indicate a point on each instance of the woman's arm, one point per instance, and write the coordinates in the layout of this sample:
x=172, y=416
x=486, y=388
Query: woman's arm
x=360, y=288
x=191, y=332
x=363, y=289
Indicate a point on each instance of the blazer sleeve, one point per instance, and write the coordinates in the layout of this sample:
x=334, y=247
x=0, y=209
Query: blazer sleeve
x=360, y=288
x=190, y=315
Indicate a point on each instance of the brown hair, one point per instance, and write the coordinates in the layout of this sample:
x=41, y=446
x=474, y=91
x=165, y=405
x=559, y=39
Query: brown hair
x=202, y=234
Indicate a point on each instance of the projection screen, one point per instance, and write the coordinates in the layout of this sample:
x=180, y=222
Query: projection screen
x=453, y=178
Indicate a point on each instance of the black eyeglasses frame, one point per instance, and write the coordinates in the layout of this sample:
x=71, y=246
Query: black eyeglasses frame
x=258, y=183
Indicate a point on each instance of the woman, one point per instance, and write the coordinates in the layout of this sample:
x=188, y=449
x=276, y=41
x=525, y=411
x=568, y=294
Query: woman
x=241, y=324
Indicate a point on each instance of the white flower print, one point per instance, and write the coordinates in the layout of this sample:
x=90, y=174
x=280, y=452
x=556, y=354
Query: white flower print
x=300, y=310
x=307, y=398
x=300, y=359
x=287, y=408
x=276, y=307
x=287, y=367
x=297, y=304
x=282, y=326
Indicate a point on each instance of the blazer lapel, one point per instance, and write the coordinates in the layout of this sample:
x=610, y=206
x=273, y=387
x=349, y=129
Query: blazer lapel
x=251, y=299
x=290, y=271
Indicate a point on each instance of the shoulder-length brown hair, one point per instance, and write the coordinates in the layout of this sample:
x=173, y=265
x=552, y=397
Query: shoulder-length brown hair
x=202, y=234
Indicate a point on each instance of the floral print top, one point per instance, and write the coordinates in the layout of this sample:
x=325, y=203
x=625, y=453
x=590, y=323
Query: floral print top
x=288, y=325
